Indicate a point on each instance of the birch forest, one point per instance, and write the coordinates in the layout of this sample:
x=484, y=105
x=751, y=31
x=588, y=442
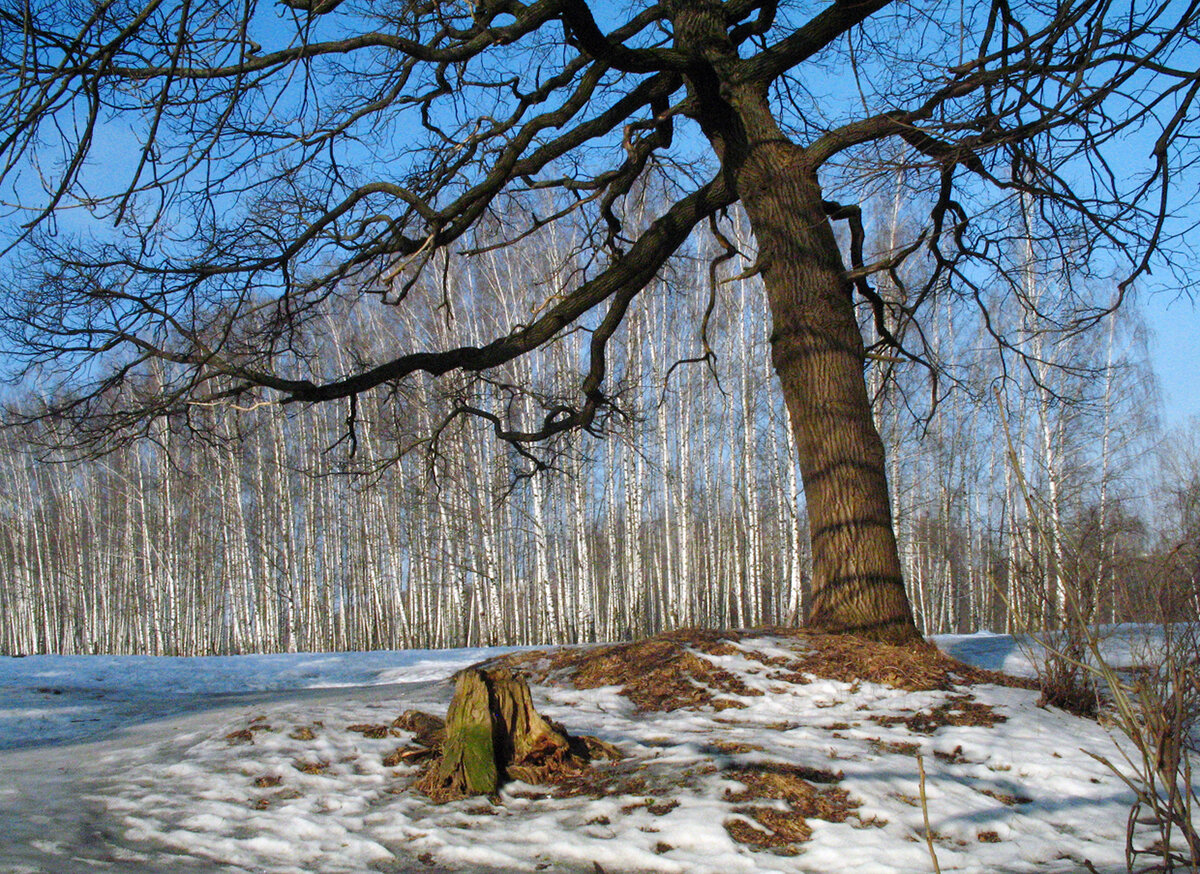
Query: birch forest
x=1028, y=480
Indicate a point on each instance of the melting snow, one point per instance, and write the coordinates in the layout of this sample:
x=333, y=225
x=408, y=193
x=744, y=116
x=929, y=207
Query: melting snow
x=245, y=764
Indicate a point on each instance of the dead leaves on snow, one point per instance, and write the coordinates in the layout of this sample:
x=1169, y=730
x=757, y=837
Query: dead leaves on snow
x=670, y=671
x=771, y=804
x=956, y=710
x=780, y=827
x=660, y=673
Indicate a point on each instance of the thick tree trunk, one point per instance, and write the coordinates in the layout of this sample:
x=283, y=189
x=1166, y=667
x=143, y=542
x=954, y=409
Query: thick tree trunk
x=816, y=345
x=818, y=353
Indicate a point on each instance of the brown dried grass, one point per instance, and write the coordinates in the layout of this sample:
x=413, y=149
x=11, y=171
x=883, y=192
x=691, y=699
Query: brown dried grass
x=893, y=747
x=779, y=832
x=659, y=673
x=918, y=668
x=426, y=729
x=374, y=732
x=666, y=672
x=1005, y=798
x=794, y=785
x=957, y=710
x=781, y=829
x=672, y=671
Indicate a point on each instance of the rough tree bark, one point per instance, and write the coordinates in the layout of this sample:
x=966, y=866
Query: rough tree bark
x=817, y=347
x=818, y=353
x=523, y=104
x=494, y=733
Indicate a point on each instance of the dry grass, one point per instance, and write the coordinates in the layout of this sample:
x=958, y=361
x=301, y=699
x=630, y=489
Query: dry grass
x=606, y=782
x=1005, y=798
x=426, y=729
x=408, y=755
x=658, y=674
x=952, y=758
x=779, y=830
x=668, y=672
x=374, y=732
x=732, y=748
x=791, y=783
x=775, y=801
x=957, y=710
x=655, y=808
x=893, y=747
x=919, y=668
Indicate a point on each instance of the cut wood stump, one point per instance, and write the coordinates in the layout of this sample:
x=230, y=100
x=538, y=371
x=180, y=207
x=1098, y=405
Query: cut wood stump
x=494, y=734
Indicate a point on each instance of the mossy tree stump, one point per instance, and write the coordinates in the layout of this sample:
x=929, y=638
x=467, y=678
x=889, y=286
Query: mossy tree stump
x=493, y=734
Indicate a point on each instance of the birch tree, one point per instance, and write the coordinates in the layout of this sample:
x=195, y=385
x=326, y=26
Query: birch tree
x=271, y=180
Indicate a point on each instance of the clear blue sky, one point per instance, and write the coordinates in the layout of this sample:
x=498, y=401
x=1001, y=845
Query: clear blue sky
x=1175, y=354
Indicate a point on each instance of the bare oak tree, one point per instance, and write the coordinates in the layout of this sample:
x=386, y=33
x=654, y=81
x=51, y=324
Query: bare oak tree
x=194, y=182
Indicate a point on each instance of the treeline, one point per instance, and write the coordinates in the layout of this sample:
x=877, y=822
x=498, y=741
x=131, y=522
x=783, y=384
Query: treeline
x=398, y=524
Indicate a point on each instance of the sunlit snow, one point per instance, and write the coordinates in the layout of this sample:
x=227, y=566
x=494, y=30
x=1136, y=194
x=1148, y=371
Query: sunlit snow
x=126, y=764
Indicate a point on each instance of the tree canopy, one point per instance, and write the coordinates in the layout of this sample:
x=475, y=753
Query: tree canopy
x=190, y=184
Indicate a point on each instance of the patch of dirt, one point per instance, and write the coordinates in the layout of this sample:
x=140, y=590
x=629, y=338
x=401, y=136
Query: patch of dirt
x=893, y=747
x=661, y=673
x=311, y=767
x=920, y=668
x=266, y=781
x=956, y=710
x=988, y=837
x=793, y=785
x=778, y=830
x=303, y=732
x=953, y=758
x=374, y=732
x=1005, y=798
x=665, y=673
x=731, y=747
x=426, y=729
x=243, y=736
x=651, y=806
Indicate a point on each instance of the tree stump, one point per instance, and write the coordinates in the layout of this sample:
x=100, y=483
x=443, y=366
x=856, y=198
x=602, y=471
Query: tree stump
x=493, y=734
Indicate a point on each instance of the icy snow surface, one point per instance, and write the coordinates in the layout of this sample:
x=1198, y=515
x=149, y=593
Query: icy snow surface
x=245, y=764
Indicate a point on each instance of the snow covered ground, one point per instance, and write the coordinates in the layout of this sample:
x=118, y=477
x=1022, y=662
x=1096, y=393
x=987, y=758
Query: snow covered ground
x=247, y=764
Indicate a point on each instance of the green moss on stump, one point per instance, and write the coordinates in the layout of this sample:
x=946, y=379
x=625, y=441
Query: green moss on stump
x=493, y=733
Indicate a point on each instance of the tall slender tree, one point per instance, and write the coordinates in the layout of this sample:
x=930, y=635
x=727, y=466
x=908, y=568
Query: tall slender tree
x=288, y=157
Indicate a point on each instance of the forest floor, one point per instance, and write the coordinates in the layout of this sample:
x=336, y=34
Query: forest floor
x=753, y=751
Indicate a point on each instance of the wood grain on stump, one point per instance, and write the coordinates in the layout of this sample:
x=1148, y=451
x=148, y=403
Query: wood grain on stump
x=494, y=734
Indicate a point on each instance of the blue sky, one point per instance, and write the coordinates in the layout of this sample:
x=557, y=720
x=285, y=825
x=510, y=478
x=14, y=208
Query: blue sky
x=1173, y=320
x=1175, y=355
